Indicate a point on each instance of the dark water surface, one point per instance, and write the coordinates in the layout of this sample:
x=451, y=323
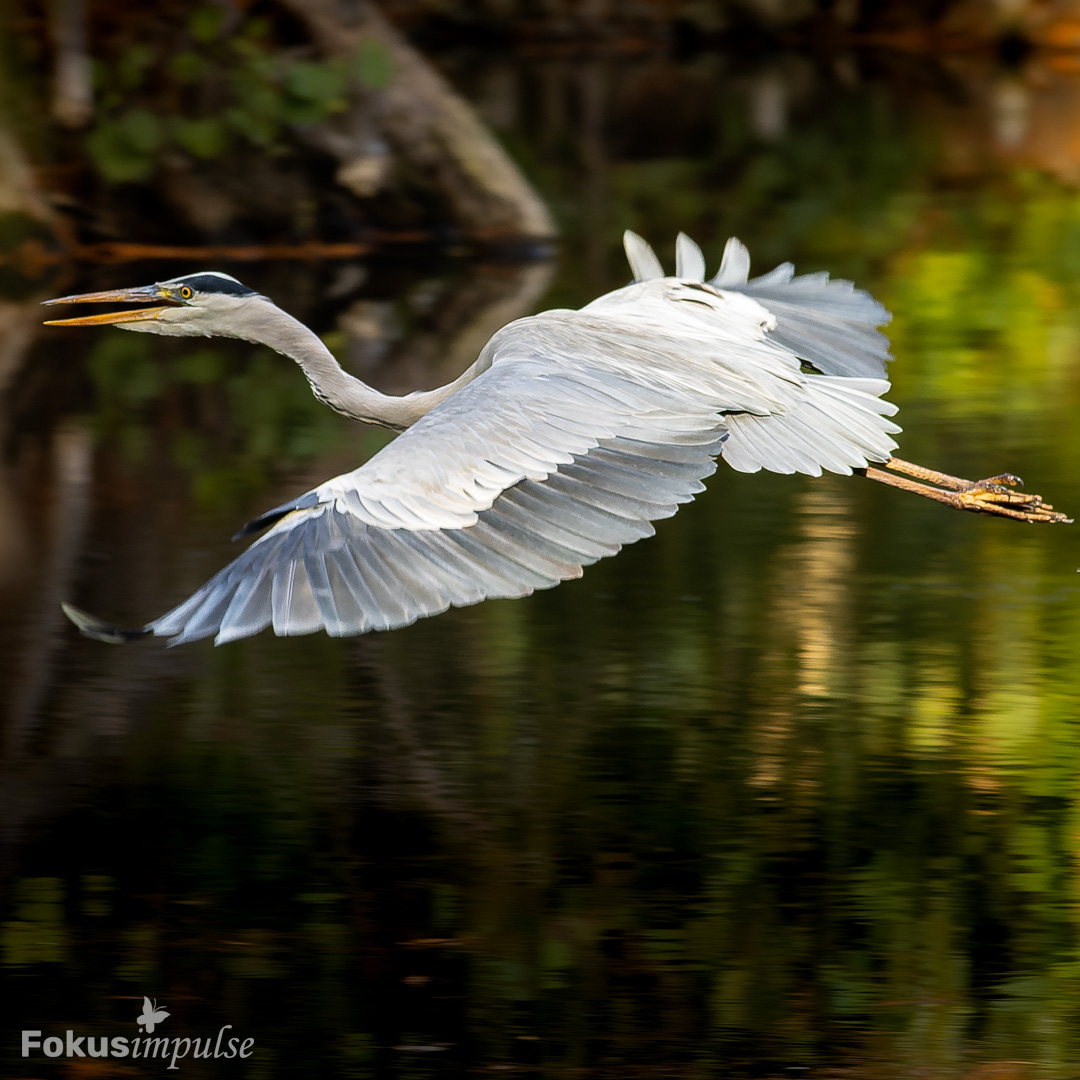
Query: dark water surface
x=788, y=790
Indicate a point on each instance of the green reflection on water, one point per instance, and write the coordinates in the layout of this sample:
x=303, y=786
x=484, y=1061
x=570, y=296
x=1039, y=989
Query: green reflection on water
x=36, y=934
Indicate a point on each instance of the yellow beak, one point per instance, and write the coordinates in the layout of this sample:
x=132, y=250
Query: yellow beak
x=142, y=295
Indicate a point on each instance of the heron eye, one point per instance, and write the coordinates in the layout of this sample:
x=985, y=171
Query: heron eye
x=185, y=292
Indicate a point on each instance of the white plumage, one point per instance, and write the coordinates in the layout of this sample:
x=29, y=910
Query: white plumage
x=573, y=432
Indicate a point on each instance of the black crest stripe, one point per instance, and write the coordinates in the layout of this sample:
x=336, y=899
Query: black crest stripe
x=213, y=283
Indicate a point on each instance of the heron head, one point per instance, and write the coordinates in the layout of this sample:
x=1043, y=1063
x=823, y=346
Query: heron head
x=208, y=303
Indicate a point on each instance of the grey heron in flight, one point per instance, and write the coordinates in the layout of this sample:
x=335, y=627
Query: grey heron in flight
x=571, y=433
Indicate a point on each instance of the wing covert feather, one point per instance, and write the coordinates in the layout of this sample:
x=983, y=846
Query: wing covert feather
x=557, y=389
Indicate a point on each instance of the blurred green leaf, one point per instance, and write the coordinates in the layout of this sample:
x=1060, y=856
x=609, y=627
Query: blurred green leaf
x=321, y=84
x=188, y=66
x=204, y=23
x=257, y=128
x=142, y=129
x=206, y=138
x=294, y=111
x=201, y=367
x=373, y=65
x=132, y=64
x=255, y=89
x=256, y=62
x=123, y=149
x=257, y=98
x=124, y=369
x=257, y=29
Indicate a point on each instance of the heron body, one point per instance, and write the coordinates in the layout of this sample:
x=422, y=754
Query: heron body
x=571, y=433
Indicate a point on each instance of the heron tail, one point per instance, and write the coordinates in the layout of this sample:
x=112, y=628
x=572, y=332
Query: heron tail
x=93, y=627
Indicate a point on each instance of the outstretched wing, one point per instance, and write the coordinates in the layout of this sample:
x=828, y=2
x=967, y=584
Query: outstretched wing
x=325, y=568
x=514, y=484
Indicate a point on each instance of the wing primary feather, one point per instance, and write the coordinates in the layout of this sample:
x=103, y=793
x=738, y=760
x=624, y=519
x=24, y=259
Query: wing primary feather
x=532, y=561
x=93, y=627
x=779, y=275
x=288, y=580
x=676, y=454
x=515, y=508
x=322, y=592
x=505, y=574
x=633, y=511
x=250, y=609
x=407, y=557
x=304, y=614
x=391, y=610
x=351, y=618
x=446, y=560
x=564, y=560
x=558, y=499
x=346, y=565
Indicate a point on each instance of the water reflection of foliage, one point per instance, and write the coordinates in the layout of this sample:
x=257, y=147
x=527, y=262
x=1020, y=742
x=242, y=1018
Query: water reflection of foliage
x=661, y=146
x=987, y=311
x=646, y=806
x=236, y=415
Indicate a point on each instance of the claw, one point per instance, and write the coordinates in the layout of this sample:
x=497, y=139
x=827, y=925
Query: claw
x=1002, y=484
x=1007, y=478
x=986, y=487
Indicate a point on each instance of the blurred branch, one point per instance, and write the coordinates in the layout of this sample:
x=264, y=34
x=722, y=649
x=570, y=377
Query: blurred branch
x=121, y=251
x=73, y=93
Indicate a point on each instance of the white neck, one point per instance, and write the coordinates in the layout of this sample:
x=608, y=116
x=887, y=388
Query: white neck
x=330, y=383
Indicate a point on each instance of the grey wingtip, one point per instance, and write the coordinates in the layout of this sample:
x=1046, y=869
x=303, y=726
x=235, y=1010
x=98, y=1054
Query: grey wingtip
x=92, y=627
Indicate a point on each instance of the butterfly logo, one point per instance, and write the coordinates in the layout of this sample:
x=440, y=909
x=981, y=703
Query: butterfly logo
x=151, y=1015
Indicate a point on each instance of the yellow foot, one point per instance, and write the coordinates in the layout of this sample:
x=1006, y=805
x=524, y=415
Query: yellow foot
x=996, y=495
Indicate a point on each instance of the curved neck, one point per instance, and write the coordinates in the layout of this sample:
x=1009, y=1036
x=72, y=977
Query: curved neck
x=331, y=384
